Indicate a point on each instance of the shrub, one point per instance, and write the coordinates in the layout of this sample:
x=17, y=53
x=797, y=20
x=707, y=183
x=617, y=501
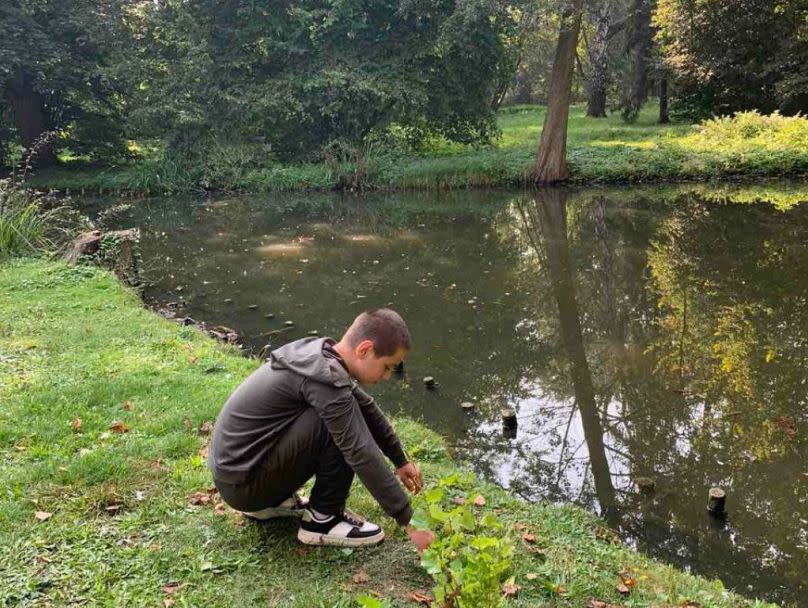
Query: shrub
x=471, y=553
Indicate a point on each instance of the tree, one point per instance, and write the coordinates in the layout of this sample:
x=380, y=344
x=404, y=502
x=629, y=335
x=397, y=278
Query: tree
x=604, y=28
x=298, y=77
x=53, y=56
x=551, y=160
x=638, y=48
x=725, y=57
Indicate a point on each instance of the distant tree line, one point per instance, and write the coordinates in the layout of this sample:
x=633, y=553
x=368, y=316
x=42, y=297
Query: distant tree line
x=295, y=80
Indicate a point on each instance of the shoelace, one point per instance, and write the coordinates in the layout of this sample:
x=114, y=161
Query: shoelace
x=353, y=519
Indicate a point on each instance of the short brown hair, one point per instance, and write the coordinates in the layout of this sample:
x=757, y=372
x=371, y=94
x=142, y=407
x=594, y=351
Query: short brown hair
x=382, y=326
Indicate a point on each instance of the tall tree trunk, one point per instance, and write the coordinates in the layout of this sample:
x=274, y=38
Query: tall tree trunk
x=638, y=46
x=29, y=116
x=599, y=60
x=663, y=100
x=551, y=161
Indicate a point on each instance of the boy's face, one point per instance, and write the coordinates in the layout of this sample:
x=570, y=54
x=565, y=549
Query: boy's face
x=369, y=368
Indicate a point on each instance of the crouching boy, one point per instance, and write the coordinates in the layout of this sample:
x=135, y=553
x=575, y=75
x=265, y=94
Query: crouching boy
x=303, y=414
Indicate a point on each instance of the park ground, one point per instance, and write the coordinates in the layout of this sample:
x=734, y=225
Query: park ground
x=105, y=502
x=605, y=150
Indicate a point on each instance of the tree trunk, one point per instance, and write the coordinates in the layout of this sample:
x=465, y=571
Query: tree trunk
x=551, y=161
x=663, y=100
x=29, y=116
x=638, y=45
x=599, y=60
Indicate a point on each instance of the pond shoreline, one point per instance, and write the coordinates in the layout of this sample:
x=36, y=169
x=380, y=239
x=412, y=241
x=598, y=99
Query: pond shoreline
x=112, y=362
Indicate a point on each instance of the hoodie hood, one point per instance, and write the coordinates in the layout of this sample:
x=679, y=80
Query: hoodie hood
x=305, y=357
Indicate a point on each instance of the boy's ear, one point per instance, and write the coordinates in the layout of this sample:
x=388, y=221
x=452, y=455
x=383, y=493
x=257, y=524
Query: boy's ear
x=363, y=348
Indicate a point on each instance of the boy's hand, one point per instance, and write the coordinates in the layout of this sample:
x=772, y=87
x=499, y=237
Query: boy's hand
x=410, y=476
x=421, y=538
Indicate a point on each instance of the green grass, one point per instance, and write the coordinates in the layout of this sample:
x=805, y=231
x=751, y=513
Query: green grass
x=74, y=344
x=599, y=151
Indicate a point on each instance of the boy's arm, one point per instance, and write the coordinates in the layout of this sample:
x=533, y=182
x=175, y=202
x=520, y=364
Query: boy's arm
x=342, y=416
x=381, y=429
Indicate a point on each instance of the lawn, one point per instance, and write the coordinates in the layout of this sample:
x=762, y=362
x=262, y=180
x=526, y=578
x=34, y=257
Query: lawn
x=106, y=496
x=605, y=150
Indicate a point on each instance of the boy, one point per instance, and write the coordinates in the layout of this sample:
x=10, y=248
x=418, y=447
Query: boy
x=302, y=414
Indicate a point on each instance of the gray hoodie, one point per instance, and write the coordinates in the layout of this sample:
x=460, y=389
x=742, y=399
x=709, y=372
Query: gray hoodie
x=298, y=376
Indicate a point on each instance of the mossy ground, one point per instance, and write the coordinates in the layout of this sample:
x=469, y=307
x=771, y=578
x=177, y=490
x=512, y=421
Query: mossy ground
x=76, y=345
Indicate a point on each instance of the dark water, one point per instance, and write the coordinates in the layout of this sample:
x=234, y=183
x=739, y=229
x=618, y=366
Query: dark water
x=637, y=333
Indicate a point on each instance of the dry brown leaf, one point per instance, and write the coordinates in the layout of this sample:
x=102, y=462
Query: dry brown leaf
x=127, y=405
x=170, y=588
x=43, y=515
x=205, y=427
x=112, y=509
x=199, y=498
x=76, y=425
x=459, y=500
x=622, y=588
x=218, y=508
x=419, y=597
x=519, y=527
x=153, y=547
x=531, y=576
x=510, y=589
x=479, y=500
x=690, y=604
x=43, y=559
x=118, y=427
x=203, y=451
x=193, y=359
x=600, y=604
x=167, y=602
x=529, y=538
x=361, y=577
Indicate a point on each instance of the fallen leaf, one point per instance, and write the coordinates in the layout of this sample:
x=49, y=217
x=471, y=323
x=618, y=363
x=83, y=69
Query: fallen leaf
x=127, y=405
x=361, y=577
x=510, y=589
x=112, y=509
x=622, y=588
x=203, y=451
x=519, y=527
x=479, y=500
x=690, y=604
x=218, y=508
x=459, y=500
x=206, y=428
x=627, y=579
x=43, y=559
x=170, y=588
x=118, y=427
x=153, y=547
x=187, y=424
x=301, y=551
x=529, y=538
x=167, y=602
x=43, y=515
x=600, y=604
x=199, y=498
x=76, y=424
x=531, y=576
x=417, y=596
x=193, y=359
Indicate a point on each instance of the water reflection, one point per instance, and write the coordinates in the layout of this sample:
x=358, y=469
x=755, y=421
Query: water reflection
x=637, y=333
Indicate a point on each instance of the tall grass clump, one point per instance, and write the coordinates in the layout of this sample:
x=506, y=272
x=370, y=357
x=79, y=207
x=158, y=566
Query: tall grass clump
x=32, y=222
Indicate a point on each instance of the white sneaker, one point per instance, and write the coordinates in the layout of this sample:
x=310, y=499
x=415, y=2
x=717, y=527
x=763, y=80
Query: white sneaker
x=294, y=506
x=348, y=530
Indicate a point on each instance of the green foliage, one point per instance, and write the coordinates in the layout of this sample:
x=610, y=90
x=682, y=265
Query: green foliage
x=471, y=554
x=296, y=77
x=728, y=56
x=33, y=223
x=368, y=601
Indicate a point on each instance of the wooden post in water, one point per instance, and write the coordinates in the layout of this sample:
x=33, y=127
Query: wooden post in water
x=508, y=418
x=716, y=501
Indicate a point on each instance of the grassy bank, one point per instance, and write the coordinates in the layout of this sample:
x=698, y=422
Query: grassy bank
x=599, y=151
x=105, y=500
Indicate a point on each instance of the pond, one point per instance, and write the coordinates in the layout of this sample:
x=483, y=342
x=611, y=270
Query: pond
x=657, y=333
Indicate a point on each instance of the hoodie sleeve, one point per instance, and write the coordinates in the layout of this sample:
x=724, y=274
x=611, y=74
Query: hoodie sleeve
x=381, y=429
x=342, y=416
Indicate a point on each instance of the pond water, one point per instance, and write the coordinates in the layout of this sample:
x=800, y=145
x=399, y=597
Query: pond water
x=637, y=333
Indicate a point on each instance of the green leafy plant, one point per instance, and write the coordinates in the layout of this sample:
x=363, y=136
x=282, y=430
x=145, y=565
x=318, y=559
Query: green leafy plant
x=471, y=554
x=368, y=601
